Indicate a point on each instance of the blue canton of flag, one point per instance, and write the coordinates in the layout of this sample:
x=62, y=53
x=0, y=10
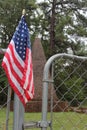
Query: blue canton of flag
x=17, y=63
x=21, y=38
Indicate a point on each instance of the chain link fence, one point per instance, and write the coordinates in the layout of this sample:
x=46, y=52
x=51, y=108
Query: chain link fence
x=6, y=116
x=64, y=94
x=69, y=96
x=71, y=88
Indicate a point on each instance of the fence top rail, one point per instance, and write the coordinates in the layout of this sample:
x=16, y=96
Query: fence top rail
x=61, y=55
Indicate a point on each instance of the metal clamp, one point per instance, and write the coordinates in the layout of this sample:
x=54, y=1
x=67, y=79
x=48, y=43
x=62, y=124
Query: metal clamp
x=45, y=124
x=39, y=124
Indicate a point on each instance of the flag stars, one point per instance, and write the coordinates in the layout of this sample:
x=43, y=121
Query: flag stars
x=14, y=37
x=20, y=22
x=22, y=35
x=20, y=47
x=23, y=27
x=24, y=52
x=23, y=56
x=16, y=47
x=17, y=29
x=21, y=39
x=17, y=43
x=22, y=30
x=18, y=38
x=20, y=52
x=21, y=43
x=24, y=48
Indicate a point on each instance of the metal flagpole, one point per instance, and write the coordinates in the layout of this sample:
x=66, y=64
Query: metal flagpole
x=18, y=120
x=18, y=114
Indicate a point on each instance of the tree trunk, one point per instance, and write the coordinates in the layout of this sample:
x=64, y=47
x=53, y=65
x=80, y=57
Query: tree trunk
x=52, y=27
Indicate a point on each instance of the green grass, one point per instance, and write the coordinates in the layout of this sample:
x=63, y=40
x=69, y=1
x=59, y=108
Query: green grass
x=3, y=119
x=61, y=120
x=70, y=121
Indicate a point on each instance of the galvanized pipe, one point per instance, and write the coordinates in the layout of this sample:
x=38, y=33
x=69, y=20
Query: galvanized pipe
x=18, y=114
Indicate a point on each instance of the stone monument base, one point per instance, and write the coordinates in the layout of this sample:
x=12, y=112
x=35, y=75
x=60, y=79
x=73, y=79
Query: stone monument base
x=33, y=106
x=36, y=106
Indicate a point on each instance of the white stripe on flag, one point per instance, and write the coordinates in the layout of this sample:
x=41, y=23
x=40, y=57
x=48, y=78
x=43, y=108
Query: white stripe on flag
x=14, y=66
x=28, y=71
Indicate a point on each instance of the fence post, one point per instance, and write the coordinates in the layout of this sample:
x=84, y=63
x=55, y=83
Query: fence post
x=18, y=114
x=8, y=106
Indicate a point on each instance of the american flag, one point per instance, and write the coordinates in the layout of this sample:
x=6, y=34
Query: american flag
x=17, y=63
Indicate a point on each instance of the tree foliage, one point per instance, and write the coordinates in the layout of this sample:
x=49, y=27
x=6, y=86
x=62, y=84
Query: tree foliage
x=65, y=23
x=10, y=14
